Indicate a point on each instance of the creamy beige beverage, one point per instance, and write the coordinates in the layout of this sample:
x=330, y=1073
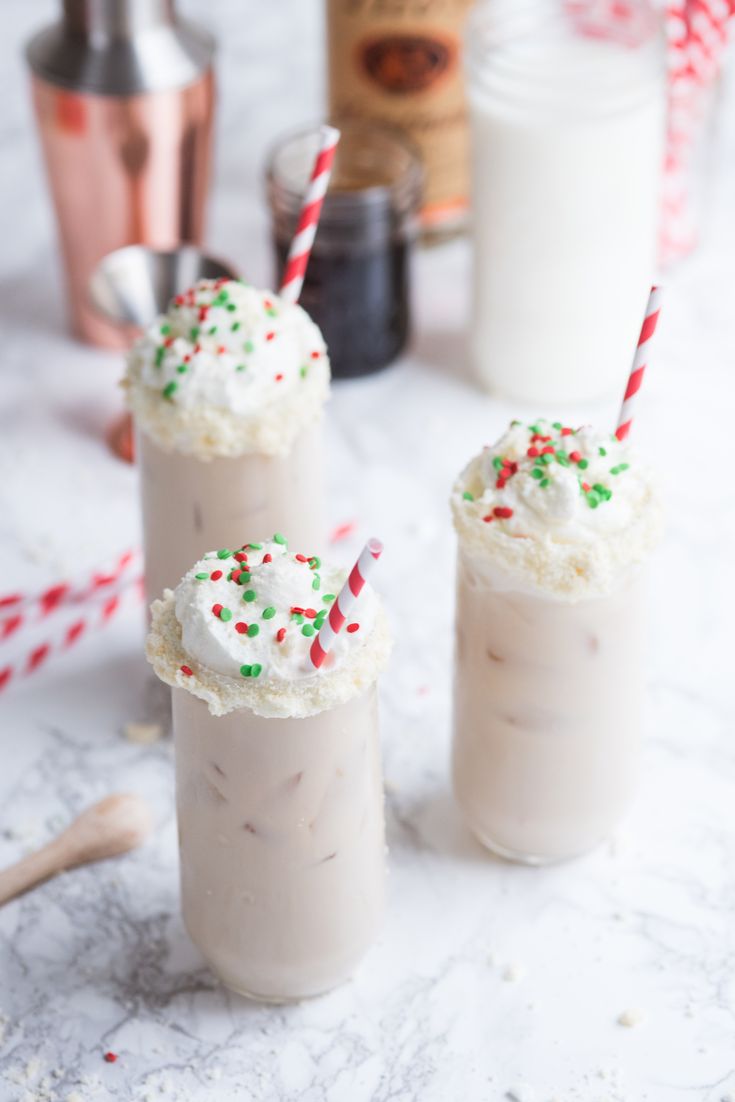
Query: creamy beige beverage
x=278, y=780
x=554, y=525
x=227, y=391
x=564, y=251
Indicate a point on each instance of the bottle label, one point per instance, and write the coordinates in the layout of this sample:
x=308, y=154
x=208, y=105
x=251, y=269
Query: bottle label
x=403, y=64
x=398, y=62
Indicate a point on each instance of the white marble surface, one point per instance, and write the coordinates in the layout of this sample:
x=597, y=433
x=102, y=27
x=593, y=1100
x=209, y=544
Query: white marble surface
x=487, y=977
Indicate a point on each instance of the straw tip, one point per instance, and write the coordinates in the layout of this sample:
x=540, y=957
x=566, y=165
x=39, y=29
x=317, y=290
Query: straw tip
x=375, y=547
x=330, y=134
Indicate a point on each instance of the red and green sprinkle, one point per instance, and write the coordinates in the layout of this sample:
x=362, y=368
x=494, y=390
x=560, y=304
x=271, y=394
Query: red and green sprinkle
x=546, y=449
x=238, y=571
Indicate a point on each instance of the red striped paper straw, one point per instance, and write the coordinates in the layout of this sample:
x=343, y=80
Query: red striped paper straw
x=348, y=594
x=68, y=592
x=311, y=209
x=55, y=644
x=638, y=368
x=20, y=611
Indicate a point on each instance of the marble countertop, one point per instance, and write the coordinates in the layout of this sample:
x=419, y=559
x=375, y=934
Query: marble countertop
x=488, y=978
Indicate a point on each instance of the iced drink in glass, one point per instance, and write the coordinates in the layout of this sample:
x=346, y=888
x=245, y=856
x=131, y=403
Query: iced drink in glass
x=278, y=778
x=554, y=526
x=227, y=391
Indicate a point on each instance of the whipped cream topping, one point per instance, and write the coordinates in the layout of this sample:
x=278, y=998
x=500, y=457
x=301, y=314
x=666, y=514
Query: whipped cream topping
x=567, y=508
x=237, y=631
x=228, y=369
x=253, y=612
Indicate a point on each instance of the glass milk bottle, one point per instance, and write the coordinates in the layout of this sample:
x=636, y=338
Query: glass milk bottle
x=567, y=121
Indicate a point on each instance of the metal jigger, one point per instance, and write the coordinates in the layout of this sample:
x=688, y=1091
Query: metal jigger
x=132, y=286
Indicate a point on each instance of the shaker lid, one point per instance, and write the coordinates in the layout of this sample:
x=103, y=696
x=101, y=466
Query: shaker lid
x=120, y=48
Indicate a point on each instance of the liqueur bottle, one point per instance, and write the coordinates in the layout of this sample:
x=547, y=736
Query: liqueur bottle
x=399, y=62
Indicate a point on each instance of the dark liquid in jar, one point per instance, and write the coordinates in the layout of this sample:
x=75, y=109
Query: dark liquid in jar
x=360, y=302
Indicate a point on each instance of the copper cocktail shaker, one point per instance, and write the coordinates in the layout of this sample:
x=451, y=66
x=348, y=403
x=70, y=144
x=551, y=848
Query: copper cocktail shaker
x=124, y=96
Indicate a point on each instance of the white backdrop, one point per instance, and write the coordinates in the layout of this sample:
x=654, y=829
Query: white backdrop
x=487, y=978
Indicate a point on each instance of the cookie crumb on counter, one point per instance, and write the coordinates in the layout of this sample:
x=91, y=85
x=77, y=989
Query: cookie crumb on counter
x=142, y=733
x=631, y=1018
x=513, y=973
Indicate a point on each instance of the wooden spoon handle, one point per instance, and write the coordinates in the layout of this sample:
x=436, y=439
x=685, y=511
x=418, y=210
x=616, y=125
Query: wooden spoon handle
x=113, y=826
x=30, y=871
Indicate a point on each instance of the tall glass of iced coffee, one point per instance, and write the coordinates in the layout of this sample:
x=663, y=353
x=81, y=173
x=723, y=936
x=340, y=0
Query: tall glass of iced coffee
x=227, y=391
x=554, y=525
x=278, y=779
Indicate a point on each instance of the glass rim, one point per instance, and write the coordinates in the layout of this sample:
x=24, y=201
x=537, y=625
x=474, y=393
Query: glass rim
x=403, y=192
x=493, y=26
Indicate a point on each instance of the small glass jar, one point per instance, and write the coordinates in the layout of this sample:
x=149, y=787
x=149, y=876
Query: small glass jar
x=357, y=284
x=567, y=113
